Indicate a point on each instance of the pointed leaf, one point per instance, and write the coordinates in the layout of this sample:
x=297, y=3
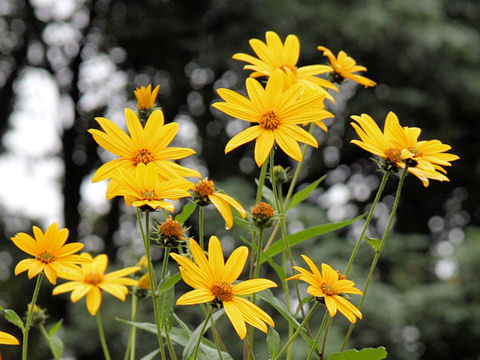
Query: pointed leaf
x=167, y=282
x=294, y=239
x=165, y=305
x=374, y=242
x=151, y=355
x=55, y=327
x=365, y=354
x=56, y=346
x=273, y=341
x=12, y=316
x=186, y=212
x=304, y=193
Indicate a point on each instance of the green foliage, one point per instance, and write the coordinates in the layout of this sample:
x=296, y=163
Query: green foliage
x=273, y=341
x=13, y=317
x=364, y=354
x=303, y=194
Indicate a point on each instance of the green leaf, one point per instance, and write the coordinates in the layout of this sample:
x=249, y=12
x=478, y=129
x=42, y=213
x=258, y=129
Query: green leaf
x=12, y=316
x=186, y=212
x=273, y=341
x=151, y=355
x=364, y=354
x=167, y=282
x=165, y=305
x=304, y=193
x=190, y=346
x=374, y=242
x=56, y=346
x=55, y=327
x=278, y=246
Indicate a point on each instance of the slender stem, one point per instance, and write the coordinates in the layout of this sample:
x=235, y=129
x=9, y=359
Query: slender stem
x=197, y=345
x=130, y=350
x=200, y=225
x=377, y=252
x=320, y=329
x=102, y=336
x=165, y=261
x=367, y=221
x=151, y=273
x=216, y=338
x=261, y=181
x=171, y=349
x=30, y=314
x=322, y=353
x=48, y=338
x=304, y=322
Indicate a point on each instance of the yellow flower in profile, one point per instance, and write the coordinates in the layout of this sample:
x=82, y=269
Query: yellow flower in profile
x=7, y=339
x=273, y=55
x=277, y=113
x=91, y=279
x=143, y=145
x=146, y=188
x=345, y=67
x=146, y=97
x=51, y=254
x=213, y=281
x=204, y=193
x=328, y=286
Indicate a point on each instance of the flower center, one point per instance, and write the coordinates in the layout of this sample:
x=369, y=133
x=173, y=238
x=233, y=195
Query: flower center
x=171, y=228
x=202, y=190
x=149, y=195
x=143, y=156
x=222, y=291
x=269, y=120
x=393, y=155
x=94, y=278
x=46, y=257
x=328, y=290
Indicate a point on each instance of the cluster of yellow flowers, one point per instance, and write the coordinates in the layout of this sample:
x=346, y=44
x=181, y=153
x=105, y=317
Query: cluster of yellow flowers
x=146, y=175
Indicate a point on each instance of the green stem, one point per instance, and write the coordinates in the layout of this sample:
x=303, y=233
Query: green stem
x=378, y=251
x=216, y=338
x=261, y=181
x=197, y=345
x=300, y=327
x=165, y=261
x=130, y=350
x=200, y=226
x=322, y=353
x=315, y=342
x=102, y=336
x=151, y=273
x=367, y=221
x=30, y=314
x=48, y=338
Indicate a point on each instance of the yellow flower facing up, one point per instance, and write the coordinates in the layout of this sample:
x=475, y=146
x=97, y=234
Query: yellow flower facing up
x=91, y=279
x=277, y=113
x=146, y=97
x=397, y=145
x=213, y=281
x=328, y=286
x=204, y=193
x=273, y=55
x=7, y=339
x=51, y=254
x=143, y=145
x=345, y=67
x=146, y=188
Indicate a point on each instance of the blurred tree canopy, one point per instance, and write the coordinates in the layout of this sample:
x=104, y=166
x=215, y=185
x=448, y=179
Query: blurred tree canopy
x=424, y=56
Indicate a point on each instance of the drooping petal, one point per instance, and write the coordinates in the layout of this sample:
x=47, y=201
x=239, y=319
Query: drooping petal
x=236, y=318
x=94, y=300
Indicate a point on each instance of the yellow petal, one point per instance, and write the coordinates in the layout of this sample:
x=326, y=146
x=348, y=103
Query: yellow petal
x=7, y=339
x=223, y=208
x=263, y=146
x=236, y=318
x=252, y=286
x=197, y=296
x=235, y=264
x=94, y=299
x=215, y=257
x=249, y=134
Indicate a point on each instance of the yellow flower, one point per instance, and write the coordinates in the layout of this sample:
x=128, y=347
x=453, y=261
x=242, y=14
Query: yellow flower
x=146, y=97
x=204, y=193
x=144, y=282
x=273, y=55
x=328, y=286
x=146, y=188
x=50, y=253
x=277, y=113
x=91, y=279
x=399, y=145
x=213, y=281
x=346, y=67
x=7, y=339
x=143, y=145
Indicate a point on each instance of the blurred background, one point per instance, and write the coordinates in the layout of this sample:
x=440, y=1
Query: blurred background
x=64, y=62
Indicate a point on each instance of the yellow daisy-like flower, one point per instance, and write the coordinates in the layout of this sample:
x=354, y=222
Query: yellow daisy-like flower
x=146, y=97
x=51, y=254
x=273, y=55
x=7, y=339
x=213, y=281
x=397, y=145
x=91, y=279
x=345, y=67
x=277, y=113
x=204, y=193
x=328, y=287
x=143, y=145
x=146, y=188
